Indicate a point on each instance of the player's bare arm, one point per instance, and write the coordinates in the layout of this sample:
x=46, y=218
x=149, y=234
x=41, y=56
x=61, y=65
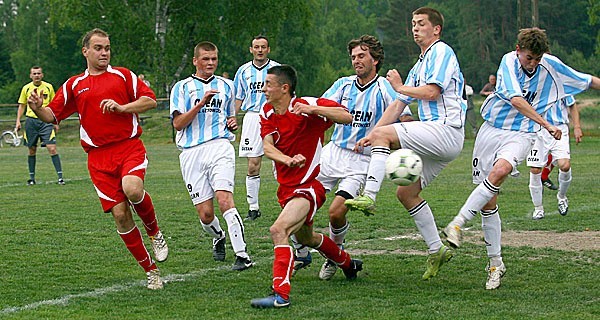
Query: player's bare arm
x=35, y=102
x=232, y=123
x=527, y=110
x=140, y=105
x=337, y=115
x=574, y=114
x=595, y=83
x=428, y=92
x=20, y=110
x=276, y=155
x=182, y=120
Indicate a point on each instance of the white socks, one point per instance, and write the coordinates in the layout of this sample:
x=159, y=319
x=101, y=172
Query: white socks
x=376, y=171
x=426, y=224
x=252, y=188
x=236, y=232
x=535, y=189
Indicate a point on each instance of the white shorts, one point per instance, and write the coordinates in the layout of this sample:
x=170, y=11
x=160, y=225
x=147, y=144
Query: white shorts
x=546, y=144
x=207, y=168
x=493, y=143
x=251, y=144
x=343, y=166
x=437, y=144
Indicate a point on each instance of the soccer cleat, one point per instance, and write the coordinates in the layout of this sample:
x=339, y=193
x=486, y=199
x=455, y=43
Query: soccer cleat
x=549, y=184
x=563, y=205
x=301, y=262
x=252, y=215
x=272, y=301
x=61, y=182
x=241, y=263
x=219, y=249
x=362, y=203
x=154, y=280
x=494, y=276
x=159, y=246
x=352, y=272
x=30, y=182
x=436, y=260
x=538, y=214
x=453, y=235
x=327, y=270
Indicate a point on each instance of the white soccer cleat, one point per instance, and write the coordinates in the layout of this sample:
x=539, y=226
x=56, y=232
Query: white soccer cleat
x=453, y=235
x=538, y=214
x=494, y=276
x=563, y=205
x=154, y=280
x=159, y=246
x=327, y=270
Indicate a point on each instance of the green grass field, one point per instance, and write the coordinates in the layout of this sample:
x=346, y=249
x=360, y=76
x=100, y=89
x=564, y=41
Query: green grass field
x=62, y=259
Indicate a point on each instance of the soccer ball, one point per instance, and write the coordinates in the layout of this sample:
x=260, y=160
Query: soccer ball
x=403, y=167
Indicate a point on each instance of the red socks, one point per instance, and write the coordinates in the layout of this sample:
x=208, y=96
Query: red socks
x=135, y=245
x=331, y=251
x=145, y=210
x=282, y=270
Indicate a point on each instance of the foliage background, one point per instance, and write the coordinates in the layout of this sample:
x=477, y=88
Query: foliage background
x=156, y=37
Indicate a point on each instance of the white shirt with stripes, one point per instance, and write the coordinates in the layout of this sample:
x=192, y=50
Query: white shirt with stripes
x=211, y=121
x=249, y=81
x=550, y=82
x=439, y=65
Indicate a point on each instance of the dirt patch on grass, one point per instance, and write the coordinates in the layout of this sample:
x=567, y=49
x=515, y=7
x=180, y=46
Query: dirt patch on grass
x=567, y=241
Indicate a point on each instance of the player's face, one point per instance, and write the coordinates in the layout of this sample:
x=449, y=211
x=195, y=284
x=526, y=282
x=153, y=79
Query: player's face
x=206, y=63
x=36, y=76
x=363, y=63
x=528, y=60
x=273, y=89
x=424, y=33
x=98, y=53
x=492, y=79
x=260, y=49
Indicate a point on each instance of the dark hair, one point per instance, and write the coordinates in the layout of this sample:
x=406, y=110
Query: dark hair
x=534, y=40
x=285, y=74
x=86, y=37
x=206, y=46
x=374, y=46
x=258, y=37
x=434, y=16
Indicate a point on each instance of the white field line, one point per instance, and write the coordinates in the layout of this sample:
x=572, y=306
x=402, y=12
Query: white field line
x=65, y=300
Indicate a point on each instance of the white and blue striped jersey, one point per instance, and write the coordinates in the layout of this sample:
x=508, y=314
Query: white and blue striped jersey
x=559, y=113
x=366, y=104
x=439, y=66
x=211, y=121
x=550, y=82
x=249, y=81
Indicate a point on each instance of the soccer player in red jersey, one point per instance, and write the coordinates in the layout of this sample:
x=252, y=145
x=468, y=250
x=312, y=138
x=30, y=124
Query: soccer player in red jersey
x=108, y=100
x=293, y=134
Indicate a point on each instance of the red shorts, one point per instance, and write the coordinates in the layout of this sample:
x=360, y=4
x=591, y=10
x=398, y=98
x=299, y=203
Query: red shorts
x=109, y=164
x=313, y=191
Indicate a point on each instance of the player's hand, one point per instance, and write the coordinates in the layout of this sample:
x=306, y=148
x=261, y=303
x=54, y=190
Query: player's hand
x=555, y=132
x=297, y=161
x=18, y=125
x=393, y=76
x=232, y=124
x=578, y=135
x=110, y=105
x=208, y=95
x=56, y=128
x=36, y=99
x=299, y=108
x=361, y=144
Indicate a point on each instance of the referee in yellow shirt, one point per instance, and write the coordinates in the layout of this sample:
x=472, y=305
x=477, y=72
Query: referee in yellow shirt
x=36, y=129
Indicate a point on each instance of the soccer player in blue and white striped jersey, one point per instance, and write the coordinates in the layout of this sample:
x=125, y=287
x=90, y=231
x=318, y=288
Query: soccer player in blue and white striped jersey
x=203, y=111
x=560, y=150
x=530, y=82
x=249, y=97
x=437, y=84
x=366, y=95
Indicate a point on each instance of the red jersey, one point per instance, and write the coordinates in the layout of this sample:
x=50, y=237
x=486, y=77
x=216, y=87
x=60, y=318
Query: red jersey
x=83, y=94
x=296, y=134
